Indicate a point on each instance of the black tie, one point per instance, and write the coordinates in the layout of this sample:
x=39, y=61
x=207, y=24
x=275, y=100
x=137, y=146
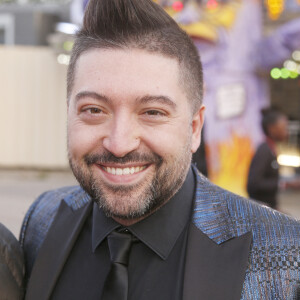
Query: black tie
x=116, y=284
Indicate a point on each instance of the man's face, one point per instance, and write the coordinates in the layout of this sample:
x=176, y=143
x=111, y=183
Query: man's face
x=131, y=131
x=280, y=129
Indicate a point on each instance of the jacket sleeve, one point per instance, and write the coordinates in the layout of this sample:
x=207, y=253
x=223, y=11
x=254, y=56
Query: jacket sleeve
x=38, y=220
x=35, y=226
x=11, y=266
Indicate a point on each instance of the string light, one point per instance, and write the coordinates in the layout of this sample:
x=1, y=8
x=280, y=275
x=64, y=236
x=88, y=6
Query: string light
x=275, y=73
x=293, y=74
x=283, y=73
x=290, y=65
x=177, y=5
x=296, y=54
x=212, y=4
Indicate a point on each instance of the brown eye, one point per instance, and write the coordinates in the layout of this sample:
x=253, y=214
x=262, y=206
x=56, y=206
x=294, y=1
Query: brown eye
x=95, y=110
x=154, y=113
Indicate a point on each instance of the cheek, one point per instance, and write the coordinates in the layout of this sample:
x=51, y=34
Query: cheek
x=168, y=142
x=82, y=139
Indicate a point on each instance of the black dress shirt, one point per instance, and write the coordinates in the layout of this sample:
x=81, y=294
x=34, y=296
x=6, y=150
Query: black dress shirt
x=156, y=262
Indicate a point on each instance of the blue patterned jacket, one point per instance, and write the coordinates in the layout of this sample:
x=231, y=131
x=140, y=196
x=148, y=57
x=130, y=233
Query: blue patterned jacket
x=237, y=249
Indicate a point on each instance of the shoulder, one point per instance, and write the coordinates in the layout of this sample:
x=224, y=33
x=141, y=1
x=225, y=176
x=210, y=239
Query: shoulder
x=263, y=147
x=11, y=264
x=266, y=224
x=44, y=208
x=248, y=215
x=274, y=257
x=263, y=150
x=40, y=216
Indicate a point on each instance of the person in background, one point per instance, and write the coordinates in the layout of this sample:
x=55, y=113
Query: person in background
x=11, y=266
x=263, y=176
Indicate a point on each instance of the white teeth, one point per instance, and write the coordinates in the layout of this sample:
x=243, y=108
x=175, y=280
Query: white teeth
x=124, y=171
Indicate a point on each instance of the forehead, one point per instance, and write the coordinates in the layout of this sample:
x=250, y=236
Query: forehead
x=127, y=72
x=282, y=122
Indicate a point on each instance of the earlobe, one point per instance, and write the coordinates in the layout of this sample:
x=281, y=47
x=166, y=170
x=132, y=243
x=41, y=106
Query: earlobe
x=197, y=124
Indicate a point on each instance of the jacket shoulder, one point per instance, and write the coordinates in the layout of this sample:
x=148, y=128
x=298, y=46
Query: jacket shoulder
x=40, y=216
x=267, y=225
x=244, y=215
x=274, y=259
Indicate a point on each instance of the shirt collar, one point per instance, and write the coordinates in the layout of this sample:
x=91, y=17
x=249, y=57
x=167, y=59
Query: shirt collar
x=160, y=230
x=102, y=226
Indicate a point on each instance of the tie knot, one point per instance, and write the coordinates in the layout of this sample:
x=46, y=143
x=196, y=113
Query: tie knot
x=119, y=244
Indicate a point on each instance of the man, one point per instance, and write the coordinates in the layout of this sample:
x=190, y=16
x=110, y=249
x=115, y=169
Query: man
x=263, y=176
x=145, y=224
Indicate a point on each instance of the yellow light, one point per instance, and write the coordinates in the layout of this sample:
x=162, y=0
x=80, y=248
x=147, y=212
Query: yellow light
x=274, y=8
x=289, y=160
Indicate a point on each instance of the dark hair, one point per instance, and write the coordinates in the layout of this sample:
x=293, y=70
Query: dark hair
x=138, y=24
x=269, y=117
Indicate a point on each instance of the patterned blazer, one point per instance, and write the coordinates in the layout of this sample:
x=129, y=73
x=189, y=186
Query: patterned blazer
x=237, y=249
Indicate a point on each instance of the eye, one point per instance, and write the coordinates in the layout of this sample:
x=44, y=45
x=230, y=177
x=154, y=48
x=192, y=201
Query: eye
x=154, y=112
x=92, y=110
x=93, y=114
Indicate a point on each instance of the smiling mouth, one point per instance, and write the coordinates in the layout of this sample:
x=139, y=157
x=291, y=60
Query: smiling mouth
x=123, y=171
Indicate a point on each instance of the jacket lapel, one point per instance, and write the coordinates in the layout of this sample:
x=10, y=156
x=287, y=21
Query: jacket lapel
x=215, y=271
x=55, y=250
x=217, y=257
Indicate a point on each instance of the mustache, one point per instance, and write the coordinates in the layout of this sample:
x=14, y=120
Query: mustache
x=132, y=157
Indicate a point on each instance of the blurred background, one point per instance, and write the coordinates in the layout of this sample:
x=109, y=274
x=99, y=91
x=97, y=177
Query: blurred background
x=251, y=58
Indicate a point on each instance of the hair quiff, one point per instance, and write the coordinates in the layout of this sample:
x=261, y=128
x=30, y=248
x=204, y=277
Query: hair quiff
x=138, y=24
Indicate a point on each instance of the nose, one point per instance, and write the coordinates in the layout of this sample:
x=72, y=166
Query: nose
x=122, y=137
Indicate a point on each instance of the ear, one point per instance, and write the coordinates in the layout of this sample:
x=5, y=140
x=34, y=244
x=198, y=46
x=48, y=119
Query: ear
x=197, y=124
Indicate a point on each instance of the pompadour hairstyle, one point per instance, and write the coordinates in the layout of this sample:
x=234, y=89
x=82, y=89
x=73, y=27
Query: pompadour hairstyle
x=138, y=24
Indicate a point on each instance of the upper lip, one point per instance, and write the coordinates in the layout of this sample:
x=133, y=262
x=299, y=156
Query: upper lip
x=123, y=166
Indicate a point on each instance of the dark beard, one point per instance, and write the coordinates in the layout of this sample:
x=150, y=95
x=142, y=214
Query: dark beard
x=158, y=192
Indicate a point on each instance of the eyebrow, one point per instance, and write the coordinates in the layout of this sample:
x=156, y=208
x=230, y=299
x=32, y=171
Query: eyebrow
x=85, y=94
x=142, y=100
x=159, y=98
